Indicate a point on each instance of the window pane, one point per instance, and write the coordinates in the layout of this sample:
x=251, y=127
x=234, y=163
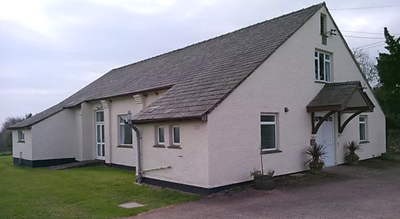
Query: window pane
x=321, y=67
x=316, y=54
x=267, y=136
x=128, y=134
x=362, y=118
x=161, y=134
x=267, y=118
x=125, y=134
x=177, y=138
x=363, y=132
x=102, y=133
x=100, y=116
x=316, y=69
x=328, y=71
x=98, y=133
x=326, y=56
x=99, y=150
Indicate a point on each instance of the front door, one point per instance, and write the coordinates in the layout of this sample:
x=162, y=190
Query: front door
x=100, y=146
x=326, y=136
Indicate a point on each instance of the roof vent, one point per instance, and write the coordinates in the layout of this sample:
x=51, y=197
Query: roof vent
x=138, y=98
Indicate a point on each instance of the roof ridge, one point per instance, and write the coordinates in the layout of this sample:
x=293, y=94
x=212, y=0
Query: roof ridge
x=220, y=36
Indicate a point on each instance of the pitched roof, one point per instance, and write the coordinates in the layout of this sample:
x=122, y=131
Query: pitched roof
x=200, y=75
x=336, y=96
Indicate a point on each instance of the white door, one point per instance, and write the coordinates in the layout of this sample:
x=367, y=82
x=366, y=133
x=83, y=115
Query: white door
x=100, y=145
x=326, y=136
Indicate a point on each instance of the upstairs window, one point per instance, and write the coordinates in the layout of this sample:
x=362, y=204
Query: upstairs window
x=322, y=66
x=324, y=36
x=21, y=136
x=125, y=132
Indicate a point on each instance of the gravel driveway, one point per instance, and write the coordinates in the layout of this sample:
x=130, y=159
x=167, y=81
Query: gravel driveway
x=356, y=192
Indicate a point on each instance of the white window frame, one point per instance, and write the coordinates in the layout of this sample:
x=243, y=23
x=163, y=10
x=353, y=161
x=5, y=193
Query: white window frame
x=173, y=135
x=158, y=135
x=365, y=122
x=276, y=131
x=326, y=61
x=21, y=136
x=124, y=117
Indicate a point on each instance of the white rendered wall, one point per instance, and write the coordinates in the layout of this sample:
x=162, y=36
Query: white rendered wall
x=122, y=154
x=55, y=137
x=286, y=79
x=189, y=165
x=23, y=149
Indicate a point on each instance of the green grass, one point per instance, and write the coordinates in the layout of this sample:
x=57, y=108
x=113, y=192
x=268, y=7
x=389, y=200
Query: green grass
x=90, y=192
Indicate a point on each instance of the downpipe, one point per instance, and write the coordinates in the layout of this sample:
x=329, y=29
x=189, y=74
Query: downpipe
x=138, y=158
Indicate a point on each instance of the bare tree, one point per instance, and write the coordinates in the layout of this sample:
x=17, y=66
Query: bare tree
x=367, y=65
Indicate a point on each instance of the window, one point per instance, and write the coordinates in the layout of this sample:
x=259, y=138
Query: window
x=21, y=136
x=160, y=135
x=176, y=139
x=125, y=132
x=363, y=128
x=268, y=132
x=322, y=67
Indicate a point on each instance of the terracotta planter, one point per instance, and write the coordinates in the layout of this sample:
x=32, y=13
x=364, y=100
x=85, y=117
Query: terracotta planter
x=264, y=183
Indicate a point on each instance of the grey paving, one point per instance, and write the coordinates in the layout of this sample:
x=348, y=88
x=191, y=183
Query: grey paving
x=131, y=205
x=359, y=194
x=199, y=76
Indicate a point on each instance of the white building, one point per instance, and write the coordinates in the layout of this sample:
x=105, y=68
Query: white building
x=205, y=110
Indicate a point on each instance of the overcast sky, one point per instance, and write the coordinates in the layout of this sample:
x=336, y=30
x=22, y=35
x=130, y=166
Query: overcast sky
x=49, y=49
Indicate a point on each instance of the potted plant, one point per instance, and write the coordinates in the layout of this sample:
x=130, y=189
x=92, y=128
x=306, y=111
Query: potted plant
x=263, y=181
x=351, y=157
x=315, y=163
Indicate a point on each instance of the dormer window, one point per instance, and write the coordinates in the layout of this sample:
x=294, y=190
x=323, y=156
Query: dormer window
x=324, y=36
x=322, y=66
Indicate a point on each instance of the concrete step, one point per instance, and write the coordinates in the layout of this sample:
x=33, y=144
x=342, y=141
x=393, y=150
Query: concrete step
x=78, y=164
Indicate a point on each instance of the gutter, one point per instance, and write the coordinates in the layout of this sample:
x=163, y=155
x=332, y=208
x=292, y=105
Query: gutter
x=138, y=158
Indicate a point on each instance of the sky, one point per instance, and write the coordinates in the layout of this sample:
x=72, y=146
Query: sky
x=49, y=49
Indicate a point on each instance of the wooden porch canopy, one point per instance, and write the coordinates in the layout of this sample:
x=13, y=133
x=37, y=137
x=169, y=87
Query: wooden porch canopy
x=340, y=97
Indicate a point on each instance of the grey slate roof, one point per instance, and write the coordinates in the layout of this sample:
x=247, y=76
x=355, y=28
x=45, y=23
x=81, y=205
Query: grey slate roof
x=336, y=95
x=200, y=75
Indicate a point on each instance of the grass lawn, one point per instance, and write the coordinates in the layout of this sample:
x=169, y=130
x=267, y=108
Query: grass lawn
x=90, y=192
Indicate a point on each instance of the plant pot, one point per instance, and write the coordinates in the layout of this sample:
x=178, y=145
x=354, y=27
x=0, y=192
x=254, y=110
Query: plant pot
x=352, y=160
x=316, y=169
x=352, y=163
x=264, y=183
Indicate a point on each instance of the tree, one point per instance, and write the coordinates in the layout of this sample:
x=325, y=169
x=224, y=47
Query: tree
x=367, y=65
x=389, y=78
x=6, y=135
